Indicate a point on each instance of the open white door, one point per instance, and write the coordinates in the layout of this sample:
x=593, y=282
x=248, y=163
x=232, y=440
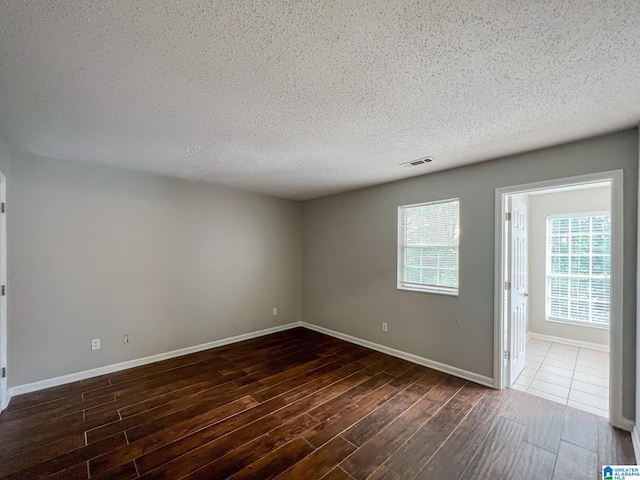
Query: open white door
x=517, y=296
x=4, y=397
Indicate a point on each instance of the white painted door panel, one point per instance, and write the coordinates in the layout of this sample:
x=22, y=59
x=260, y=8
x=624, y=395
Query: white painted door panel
x=518, y=297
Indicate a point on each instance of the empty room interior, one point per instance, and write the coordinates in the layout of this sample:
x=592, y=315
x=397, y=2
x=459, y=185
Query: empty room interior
x=356, y=240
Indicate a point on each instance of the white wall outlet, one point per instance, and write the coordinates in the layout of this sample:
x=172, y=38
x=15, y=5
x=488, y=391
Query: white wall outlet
x=275, y=311
x=126, y=338
x=384, y=326
x=95, y=344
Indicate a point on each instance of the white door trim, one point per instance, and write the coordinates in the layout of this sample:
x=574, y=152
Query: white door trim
x=4, y=390
x=615, y=177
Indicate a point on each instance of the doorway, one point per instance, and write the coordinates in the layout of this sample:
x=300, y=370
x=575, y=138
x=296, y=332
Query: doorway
x=559, y=298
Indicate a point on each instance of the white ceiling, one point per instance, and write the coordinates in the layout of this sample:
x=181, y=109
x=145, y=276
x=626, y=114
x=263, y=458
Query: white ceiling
x=301, y=99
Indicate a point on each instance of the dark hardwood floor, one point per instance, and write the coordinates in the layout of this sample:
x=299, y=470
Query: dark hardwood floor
x=298, y=405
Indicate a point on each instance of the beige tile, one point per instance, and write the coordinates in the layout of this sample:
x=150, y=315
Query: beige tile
x=562, y=356
x=538, y=349
x=558, y=363
x=557, y=390
x=528, y=372
x=552, y=378
x=594, y=355
x=563, y=372
x=561, y=347
x=515, y=386
x=590, y=388
x=597, y=372
x=533, y=357
x=596, y=359
x=604, y=365
x=588, y=399
x=588, y=408
x=531, y=364
x=523, y=381
x=546, y=395
x=591, y=379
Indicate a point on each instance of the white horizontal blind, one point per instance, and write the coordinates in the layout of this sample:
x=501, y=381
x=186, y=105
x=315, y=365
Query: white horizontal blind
x=429, y=246
x=578, y=268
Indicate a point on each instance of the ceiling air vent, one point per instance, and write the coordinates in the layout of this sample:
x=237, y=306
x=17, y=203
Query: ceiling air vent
x=415, y=163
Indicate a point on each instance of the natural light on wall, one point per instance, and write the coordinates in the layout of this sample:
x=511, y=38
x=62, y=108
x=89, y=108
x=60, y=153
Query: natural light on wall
x=428, y=235
x=578, y=269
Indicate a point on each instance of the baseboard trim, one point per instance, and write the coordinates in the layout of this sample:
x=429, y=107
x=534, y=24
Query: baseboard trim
x=94, y=372
x=567, y=341
x=458, y=372
x=635, y=438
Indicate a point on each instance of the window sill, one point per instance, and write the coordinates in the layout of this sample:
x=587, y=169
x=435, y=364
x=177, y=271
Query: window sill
x=427, y=290
x=578, y=323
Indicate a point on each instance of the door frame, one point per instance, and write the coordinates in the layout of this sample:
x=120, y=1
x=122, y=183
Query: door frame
x=4, y=389
x=615, y=177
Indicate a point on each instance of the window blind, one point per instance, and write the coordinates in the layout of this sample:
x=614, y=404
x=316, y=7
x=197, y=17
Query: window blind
x=429, y=246
x=578, y=268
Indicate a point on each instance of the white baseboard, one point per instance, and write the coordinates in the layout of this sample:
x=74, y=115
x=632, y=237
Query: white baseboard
x=458, y=372
x=635, y=438
x=567, y=341
x=73, y=377
x=94, y=372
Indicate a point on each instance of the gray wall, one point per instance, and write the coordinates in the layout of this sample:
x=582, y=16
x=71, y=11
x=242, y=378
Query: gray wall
x=540, y=207
x=349, y=256
x=637, y=352
x=100, y=252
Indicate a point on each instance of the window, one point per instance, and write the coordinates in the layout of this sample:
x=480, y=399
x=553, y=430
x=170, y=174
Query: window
x=578, y=269
x=428, y=247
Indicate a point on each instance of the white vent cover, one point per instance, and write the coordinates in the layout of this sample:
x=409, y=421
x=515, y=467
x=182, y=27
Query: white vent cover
x=415, y=163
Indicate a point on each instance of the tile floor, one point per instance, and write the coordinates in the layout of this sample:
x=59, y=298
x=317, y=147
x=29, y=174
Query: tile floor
x=578, y=377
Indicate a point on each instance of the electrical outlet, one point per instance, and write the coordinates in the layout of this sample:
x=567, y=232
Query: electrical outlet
x=275, y=311
x=126, y=338
x=384, y=326
x=95, y=344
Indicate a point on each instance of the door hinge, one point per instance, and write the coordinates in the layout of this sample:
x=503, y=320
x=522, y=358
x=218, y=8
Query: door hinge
x=4, y=372
x=507, y=286
x=507, y=216
x=507, y=354
x=4, y=290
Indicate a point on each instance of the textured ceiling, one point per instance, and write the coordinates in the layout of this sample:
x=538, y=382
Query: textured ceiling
x=301, y=99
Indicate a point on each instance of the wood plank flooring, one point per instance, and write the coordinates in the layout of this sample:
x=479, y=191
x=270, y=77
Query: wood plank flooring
x=298, y=405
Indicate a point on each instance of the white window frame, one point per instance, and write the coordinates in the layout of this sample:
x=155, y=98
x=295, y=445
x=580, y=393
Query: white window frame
x=547, y=291
x=419, y=287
